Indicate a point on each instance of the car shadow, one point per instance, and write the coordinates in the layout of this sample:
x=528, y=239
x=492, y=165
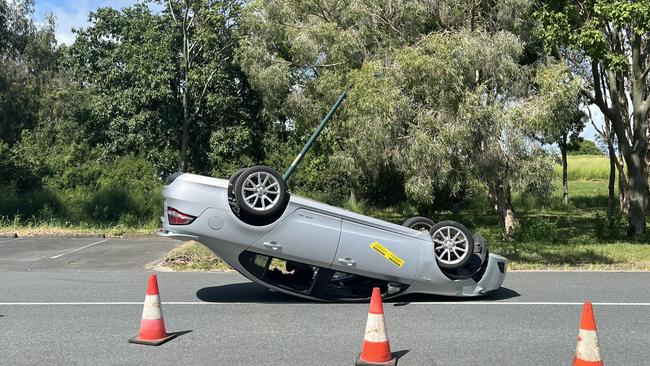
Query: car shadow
x=247, y=292
x=250, y=292
x=502, y=293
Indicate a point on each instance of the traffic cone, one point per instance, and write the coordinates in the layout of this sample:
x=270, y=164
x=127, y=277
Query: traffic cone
x=152, y=326
x=587, y=350
x=375, y=349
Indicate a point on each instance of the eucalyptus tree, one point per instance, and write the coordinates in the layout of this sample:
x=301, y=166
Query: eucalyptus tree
x=609, y=41
x=447, y=121
x=444, y=114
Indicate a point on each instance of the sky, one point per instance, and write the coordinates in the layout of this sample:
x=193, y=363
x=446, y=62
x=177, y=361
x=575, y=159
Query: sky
x=74, y=14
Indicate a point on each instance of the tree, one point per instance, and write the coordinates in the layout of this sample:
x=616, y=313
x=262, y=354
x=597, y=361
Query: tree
x=615, y=164
x=468, y=121
x=161, y=84
x=554, y=112
x=28, y=54
x=443, y=114
x=608, y=42
x=205, y=28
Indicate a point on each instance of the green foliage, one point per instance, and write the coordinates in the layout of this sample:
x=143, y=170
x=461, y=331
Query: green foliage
x=540, y=229
x=584, y=147
x=27, y=56
x=126, y=192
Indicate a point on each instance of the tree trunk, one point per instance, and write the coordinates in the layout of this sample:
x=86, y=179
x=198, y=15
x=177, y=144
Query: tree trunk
x=185, y=89
x=623, y=189
x=353, y=195
x=612, y=180
x=185, y=139
x=637, y=194
x=507, y=217
x=565, y=180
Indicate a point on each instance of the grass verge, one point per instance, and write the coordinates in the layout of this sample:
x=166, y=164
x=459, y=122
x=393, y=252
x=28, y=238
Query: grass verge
x=621, y=256
x=56, y=229
x=192, y=256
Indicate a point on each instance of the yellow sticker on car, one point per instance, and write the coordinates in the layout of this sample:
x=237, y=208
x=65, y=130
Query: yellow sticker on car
x=386, y=253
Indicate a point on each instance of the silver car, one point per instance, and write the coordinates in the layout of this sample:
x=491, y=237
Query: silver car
x=313, y=250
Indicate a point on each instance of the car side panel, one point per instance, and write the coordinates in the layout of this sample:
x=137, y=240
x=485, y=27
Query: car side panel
x=304, y=236
x=355, y=244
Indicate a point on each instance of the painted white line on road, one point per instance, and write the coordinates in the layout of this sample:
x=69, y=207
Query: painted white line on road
x=284, y=303
x=78, y=249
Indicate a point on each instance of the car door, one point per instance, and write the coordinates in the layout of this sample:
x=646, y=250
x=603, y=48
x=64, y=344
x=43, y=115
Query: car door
x=377, y=253
x=304, y=236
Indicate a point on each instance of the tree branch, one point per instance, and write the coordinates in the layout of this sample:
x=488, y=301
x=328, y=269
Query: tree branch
x=171, y=10
x=645, y=73
x=205, y=88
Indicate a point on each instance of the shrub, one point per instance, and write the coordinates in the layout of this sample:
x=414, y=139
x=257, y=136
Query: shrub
x=539, y=229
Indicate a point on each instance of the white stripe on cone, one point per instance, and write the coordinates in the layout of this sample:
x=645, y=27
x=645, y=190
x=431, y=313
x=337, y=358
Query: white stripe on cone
x=587, y=348
x=152, y=309
x=375, y=328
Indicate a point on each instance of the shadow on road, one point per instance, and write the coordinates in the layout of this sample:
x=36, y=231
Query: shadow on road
x=249, y=292
x=246, y=292
x=400, y=354
x=502, y=293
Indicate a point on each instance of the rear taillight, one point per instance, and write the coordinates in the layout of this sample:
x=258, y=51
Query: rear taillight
x=175, y=217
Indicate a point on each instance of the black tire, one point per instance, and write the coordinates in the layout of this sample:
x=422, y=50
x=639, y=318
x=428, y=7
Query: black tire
x=447, y=236
x=261, y=184
x=419, y=223
x=232, y=201
x=232, y=181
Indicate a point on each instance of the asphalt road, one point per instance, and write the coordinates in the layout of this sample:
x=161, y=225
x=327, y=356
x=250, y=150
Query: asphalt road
x=60, y=313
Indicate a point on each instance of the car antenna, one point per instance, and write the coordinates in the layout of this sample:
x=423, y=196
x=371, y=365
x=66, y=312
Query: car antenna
x=319, y=129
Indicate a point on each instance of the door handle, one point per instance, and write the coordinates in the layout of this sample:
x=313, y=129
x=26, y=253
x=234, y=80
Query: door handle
x=272, y=245
x=348, y=261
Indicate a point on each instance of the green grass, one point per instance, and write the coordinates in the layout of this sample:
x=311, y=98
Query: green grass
x=586, y=167
x=574, y=256
x=57, y=228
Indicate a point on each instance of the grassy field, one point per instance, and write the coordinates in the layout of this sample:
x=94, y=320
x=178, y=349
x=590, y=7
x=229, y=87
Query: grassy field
x=586, y=167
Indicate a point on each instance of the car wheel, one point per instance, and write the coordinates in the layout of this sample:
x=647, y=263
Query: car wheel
x=260, y=191
x=419, y=223
x=453, y=244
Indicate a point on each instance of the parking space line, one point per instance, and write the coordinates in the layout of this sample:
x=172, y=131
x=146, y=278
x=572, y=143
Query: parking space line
x=509, y=303
x=78, y=249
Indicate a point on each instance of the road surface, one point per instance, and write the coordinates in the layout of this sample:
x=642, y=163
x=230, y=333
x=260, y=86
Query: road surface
x=67, y=302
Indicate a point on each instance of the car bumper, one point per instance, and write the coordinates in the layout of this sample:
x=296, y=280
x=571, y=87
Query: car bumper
x=495, y=273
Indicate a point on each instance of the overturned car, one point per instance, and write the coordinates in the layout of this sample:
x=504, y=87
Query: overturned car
x=313, y=250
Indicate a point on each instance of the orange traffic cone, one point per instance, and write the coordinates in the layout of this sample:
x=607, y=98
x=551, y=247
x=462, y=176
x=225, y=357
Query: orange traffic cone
x=375, y=349
x=587, y=350
x=152, y=326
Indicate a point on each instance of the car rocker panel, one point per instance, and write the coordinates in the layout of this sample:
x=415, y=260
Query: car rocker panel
x=335, y=251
